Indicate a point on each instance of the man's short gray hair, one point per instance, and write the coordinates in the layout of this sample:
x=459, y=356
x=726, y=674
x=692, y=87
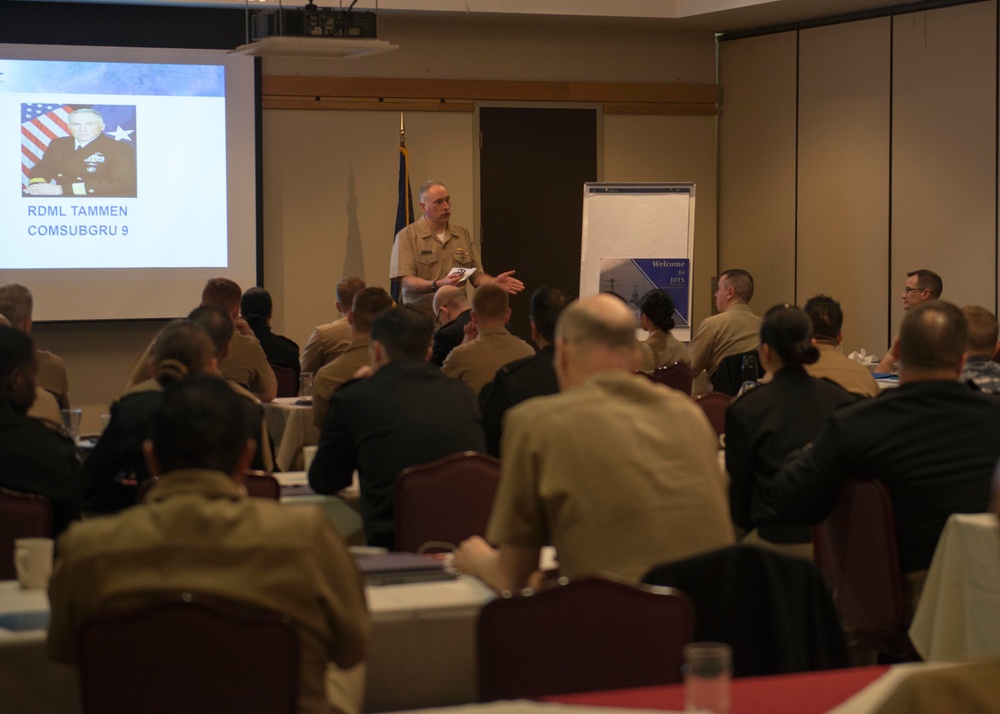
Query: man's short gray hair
x=427, y=186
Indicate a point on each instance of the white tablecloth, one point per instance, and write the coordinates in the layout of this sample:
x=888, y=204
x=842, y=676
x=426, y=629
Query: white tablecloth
x=959, y=611
x=422, y=650
x=291, y=427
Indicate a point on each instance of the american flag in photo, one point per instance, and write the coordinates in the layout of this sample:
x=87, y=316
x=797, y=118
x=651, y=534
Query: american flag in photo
x=40, y=124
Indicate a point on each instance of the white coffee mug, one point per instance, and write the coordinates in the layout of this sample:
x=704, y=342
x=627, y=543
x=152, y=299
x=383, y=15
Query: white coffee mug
x=33, y=561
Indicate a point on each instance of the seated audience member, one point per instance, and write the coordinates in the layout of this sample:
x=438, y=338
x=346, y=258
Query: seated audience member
x=773, y=420
x=197, y=531
x=368, y=304
x=34, y=459
x=453, y=313
x=45, y=408
x=17, y=305
x=116, y=466
x=932, y=442
x=827, y=320
x=327, y=342
x=489, y=344
x=980, y=370
x=256, y=308
x=920, y=285
x=657, y=318
x=733, y=331
x=618, y=473
x=528, y=377
x=407, y=413
x=647, y=363
x=245, y=362
x=221, y=330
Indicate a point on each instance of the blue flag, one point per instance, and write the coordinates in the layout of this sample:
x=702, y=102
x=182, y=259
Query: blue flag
x=404, y=208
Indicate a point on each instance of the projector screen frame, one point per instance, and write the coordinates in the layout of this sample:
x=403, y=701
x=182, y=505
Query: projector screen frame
x=182, y=294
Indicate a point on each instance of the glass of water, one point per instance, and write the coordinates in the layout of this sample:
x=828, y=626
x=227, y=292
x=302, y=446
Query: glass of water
x=708, y=668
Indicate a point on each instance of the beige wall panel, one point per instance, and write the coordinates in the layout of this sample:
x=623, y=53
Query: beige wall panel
x=944, y=152
x=641, y=148
x=330, y=199
x=757, y=165
x=534, y=49
x=843, y=188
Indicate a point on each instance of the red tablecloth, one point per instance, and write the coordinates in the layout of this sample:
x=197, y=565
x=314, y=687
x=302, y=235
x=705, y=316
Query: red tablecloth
x=805, y=693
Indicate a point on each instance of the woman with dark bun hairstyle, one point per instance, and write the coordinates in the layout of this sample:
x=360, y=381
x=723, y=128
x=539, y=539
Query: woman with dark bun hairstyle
x=773, y=420
x=656, y=316
x=116, y=466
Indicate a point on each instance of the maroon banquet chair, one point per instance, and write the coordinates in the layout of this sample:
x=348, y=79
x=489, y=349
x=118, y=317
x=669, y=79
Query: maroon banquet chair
x=679, y=376
x=445, y=501
x=857, y=553
x=260, y=484
x=714, y=404
x=288, y=381
x=582, y=635
x=22, y=515
x=189, y=653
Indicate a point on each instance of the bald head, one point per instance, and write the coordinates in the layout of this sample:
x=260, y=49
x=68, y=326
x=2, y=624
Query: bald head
x=932, y=339
x=594, y=334
x=453, y=299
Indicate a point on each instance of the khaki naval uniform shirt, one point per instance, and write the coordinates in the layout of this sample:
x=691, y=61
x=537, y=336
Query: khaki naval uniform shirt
x=593, y=471
x=52, y=377
x=418, y=253
x=326, y=343
x=476, y=363
x=334, y=375
x=729, y=333
x=835, y=366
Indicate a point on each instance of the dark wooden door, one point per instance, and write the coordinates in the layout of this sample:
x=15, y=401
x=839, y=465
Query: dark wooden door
x=533, y=164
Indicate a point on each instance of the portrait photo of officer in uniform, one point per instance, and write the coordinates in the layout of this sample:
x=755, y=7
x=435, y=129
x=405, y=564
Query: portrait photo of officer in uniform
x=89, y=162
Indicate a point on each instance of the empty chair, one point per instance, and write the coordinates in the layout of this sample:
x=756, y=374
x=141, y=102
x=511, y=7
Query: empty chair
x=288, y=381
x=582, y=635
x=445, y=501
x=678, y=375
x=714, y=404
x=22, y=515
x=774, y=610
x=189, y=654
x=856, y=550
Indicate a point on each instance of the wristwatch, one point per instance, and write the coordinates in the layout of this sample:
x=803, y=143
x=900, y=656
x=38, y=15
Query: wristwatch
x=434, y=286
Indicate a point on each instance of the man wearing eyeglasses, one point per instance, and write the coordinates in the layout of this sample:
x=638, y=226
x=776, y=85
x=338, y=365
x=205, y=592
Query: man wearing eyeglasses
x=452, y=312
x=920, y=285
x=86, y=163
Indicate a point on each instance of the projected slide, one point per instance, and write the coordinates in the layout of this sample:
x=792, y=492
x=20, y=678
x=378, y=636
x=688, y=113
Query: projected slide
x=112, y=165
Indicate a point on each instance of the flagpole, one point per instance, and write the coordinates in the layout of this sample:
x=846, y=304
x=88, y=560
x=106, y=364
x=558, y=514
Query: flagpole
x=402, y=131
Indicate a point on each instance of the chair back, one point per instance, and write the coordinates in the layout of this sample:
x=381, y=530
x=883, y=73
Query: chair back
x=288, y=381
x=774, y=610
x=260, y=484
x=582, y=635
x=189, y=654
x=728, y=376
x=22, y=515
x=714, y=404
x=445, y=501
x=856, y=550
x=678, y=375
